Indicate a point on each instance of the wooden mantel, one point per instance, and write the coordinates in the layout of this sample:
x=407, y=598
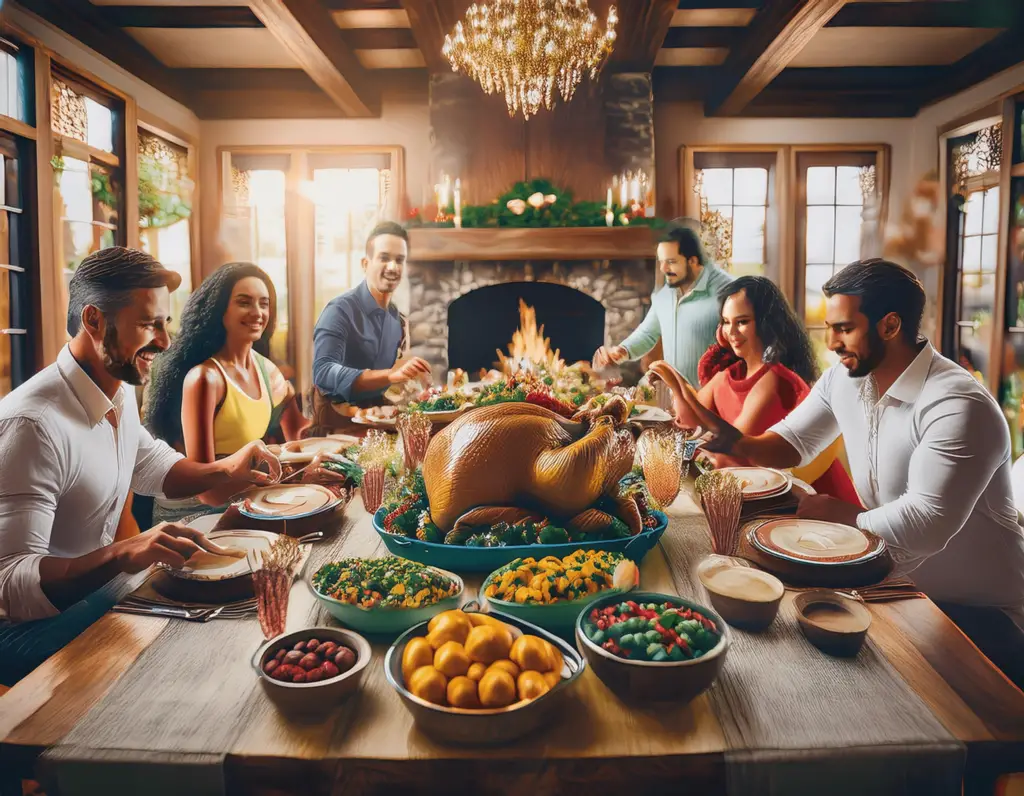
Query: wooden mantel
x=433, y=244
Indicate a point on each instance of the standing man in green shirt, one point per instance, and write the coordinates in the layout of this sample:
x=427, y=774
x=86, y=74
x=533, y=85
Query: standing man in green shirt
x=684, y=314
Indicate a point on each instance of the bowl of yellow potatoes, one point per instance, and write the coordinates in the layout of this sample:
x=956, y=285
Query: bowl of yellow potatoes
x=470, y=677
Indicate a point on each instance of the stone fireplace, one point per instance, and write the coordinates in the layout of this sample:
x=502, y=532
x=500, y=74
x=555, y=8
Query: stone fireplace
x=458, y=297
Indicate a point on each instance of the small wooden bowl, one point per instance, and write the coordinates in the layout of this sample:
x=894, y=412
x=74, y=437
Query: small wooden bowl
x=833, y=622
x=322, y=696
x=742, y=612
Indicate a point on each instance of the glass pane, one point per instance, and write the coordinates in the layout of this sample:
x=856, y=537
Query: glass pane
x=725, y=210
x=172, y=246
x=9, y=105
x=75, y=186
x=821, y=185
x=751, y=187
x=990, y=218
x=848, y=231
x=81, y=238
x=814, y=300
x=977, y=302
x=748, y=235
x=820, y=234
x=100, y=125
x=266, y=194
x=348, y=204
x=848, y=190
x=989, y=247
x=972, y=253
x=973, y=213
x=717, y=186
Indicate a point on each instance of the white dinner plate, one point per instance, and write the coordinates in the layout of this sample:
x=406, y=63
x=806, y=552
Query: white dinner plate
x=758, y=483
x=209, y=567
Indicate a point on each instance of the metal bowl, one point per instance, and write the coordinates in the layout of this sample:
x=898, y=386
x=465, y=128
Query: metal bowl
x=460, y=726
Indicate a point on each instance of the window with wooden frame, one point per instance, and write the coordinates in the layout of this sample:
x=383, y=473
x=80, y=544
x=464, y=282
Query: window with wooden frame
x=303, y=215
x=735, y=193
x=88, y=164
x=17, y=226
x=970, y=286
x=839, y=207
x=165, y=210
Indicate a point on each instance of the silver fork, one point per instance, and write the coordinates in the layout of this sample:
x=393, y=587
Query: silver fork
x=191, y=614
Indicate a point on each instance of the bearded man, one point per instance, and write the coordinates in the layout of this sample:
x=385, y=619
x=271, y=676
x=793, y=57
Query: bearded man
x=929, y=452
x=71, y=448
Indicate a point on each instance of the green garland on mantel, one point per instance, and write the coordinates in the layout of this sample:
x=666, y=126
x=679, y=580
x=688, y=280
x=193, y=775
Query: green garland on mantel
x=514, y=209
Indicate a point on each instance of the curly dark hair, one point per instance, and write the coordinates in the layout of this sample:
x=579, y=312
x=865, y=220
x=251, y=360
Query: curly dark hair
x=784, y=338
x=201, y=335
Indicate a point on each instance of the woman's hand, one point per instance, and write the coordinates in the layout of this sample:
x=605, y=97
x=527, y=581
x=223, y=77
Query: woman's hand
x=254, y=464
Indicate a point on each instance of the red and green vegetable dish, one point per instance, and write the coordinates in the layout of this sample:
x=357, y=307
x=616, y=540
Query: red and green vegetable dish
x=651, y=631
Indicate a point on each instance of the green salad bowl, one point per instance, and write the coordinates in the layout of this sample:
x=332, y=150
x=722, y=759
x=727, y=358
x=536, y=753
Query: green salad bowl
x=387, y=620
x=558, y=617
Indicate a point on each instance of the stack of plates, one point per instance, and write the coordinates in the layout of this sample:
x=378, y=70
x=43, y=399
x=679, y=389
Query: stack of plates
x=814, y=542
x=760, y=483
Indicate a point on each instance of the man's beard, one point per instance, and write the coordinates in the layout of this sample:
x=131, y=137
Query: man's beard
x=876, y=352
x=116, y=364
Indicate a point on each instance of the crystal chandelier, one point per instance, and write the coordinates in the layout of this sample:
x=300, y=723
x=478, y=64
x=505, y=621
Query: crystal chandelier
x=527, y=48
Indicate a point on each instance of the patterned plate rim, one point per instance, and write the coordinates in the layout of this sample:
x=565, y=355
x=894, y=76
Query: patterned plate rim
x=876, y=548
x=331, y=504
x=786, y=478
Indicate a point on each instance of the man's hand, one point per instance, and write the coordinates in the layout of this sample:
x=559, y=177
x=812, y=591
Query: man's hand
x=166, y=543
x=408, y=370
x=608, y=355
x=253, y=463
x=829, y=509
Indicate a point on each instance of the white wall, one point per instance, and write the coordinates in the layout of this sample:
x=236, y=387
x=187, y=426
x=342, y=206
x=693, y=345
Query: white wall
x=148, y=98
x=679, y=124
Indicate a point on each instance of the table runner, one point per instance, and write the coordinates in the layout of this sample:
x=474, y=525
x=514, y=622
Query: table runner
x=853, y=726
x=822, y=724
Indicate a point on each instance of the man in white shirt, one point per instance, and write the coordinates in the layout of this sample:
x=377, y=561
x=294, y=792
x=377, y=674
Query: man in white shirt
x=71, y=447
x=929, y=452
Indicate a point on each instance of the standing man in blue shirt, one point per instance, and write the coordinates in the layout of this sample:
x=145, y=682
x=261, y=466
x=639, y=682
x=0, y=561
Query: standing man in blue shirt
x=684, y=315
x=359, y=338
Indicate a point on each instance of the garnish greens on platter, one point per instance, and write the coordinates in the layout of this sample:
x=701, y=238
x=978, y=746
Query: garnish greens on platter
x=408, y=515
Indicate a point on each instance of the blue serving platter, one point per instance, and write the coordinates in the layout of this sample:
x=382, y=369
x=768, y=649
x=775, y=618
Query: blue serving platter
x=458, y=558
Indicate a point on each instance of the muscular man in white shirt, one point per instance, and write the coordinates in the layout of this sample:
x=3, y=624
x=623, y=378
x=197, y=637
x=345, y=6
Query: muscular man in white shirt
x=71, y=447
x=929, y=452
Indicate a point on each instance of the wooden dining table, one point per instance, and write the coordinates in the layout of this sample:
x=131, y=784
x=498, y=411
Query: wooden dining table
x=156, y=705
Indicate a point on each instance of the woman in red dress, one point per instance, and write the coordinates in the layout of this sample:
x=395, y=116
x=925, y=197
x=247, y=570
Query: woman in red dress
x=760, y=369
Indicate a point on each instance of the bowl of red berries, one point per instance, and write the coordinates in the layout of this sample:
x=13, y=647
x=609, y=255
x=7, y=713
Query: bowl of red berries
x=652, y=646
x=313, y=669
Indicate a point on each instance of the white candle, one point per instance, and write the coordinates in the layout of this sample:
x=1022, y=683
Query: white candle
x=458, y=203
x=623, y=187
x=608, y=205
x=634, y=191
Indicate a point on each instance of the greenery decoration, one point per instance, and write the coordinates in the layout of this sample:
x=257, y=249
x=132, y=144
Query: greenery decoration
x=160, y=208
x=102, y=190
x=536, y=203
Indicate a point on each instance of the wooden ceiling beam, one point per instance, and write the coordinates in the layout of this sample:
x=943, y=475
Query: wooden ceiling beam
x=777, y=33
x=702, y=37
x=180, y=16
x=930, y=14
x=306, y=29
x=83, y=21
x=431, y=21
x=379, y=38
x=1002, y=52
x=828, y=104
x=688, y=5
x=640, y=33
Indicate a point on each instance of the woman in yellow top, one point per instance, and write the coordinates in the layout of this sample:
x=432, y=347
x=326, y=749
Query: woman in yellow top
x=215, y=389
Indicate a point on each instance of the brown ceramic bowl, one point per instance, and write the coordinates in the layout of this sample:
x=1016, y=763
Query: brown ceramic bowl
x=675, y=681
x=832, y=622
x=751, y=611
x=323, y=695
